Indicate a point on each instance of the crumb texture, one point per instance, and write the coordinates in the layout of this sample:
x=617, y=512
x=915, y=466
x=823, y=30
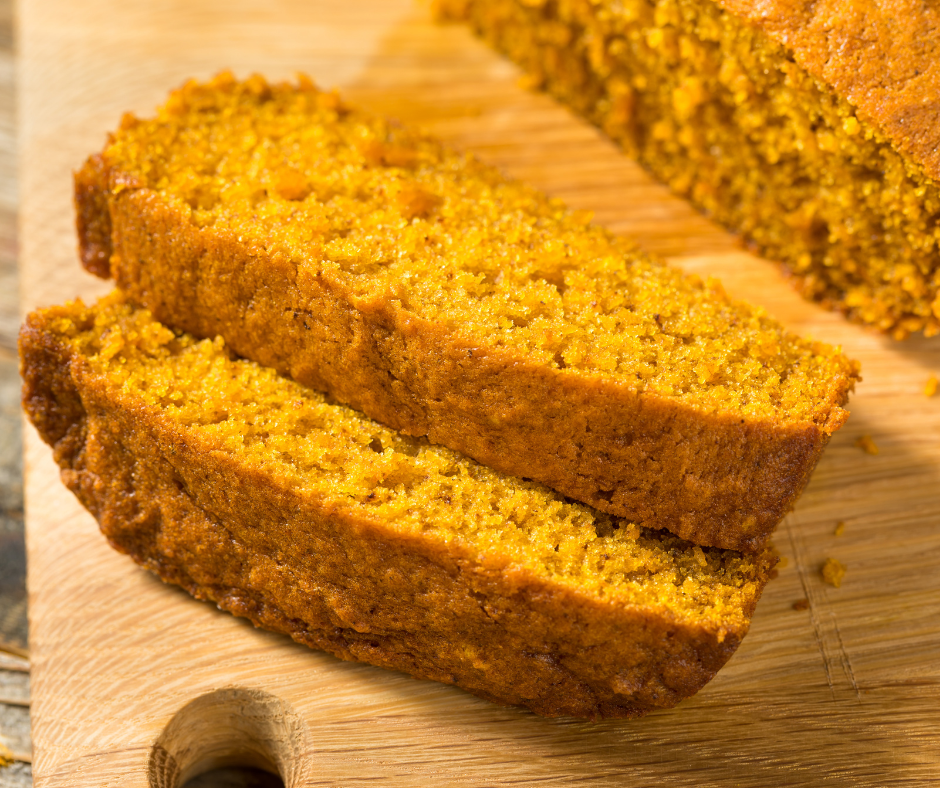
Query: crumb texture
x=810, y=128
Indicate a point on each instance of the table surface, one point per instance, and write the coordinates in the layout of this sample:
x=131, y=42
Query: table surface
x=14, y=676
x=842, y=692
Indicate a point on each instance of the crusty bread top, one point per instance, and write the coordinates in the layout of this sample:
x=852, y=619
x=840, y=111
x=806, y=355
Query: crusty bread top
x=883, y=58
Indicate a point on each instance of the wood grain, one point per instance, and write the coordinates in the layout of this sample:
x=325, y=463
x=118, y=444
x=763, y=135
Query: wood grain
x=845, y=692
x=13, y=628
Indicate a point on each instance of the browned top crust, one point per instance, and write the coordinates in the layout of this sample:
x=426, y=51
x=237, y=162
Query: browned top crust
x=883, y=58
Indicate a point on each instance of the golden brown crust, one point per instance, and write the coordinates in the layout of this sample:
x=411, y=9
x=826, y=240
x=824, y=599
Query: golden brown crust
x=883, y=58
x=264, y=551
x=93, y=221
x=718, y=480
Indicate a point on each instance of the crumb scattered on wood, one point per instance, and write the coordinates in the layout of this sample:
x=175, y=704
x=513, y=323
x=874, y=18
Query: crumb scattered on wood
x=840, y=528
x=801, y=604
x=782, y=563
x=529, y=82
x=930, y=387
x=833, y=572
x=6, y=756
x=867, y=445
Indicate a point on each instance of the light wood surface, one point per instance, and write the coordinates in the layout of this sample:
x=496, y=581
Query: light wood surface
x=845, y=692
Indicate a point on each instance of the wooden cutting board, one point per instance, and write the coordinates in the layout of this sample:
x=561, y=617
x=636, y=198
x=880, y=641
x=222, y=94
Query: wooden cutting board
x=845, y=692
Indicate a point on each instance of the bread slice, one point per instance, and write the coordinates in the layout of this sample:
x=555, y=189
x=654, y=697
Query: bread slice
x=426, y=290
x=257, y=493
x=813, y=129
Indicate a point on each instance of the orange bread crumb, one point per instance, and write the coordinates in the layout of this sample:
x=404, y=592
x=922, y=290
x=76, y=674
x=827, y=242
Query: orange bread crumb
x=833, y=572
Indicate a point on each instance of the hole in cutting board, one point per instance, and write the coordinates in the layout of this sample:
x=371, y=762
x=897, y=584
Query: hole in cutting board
x=236, y=777
x=232, y=727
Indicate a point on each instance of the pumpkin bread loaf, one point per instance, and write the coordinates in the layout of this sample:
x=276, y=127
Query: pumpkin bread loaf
x=444, y=300
x=257, y=493
x=811, y=128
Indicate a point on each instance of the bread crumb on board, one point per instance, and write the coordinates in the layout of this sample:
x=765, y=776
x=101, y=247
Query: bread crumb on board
x=930, y=387
x=801, y=604
x=839, y=529
x=6, y=756
x=866, y=444
x=833, y=572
